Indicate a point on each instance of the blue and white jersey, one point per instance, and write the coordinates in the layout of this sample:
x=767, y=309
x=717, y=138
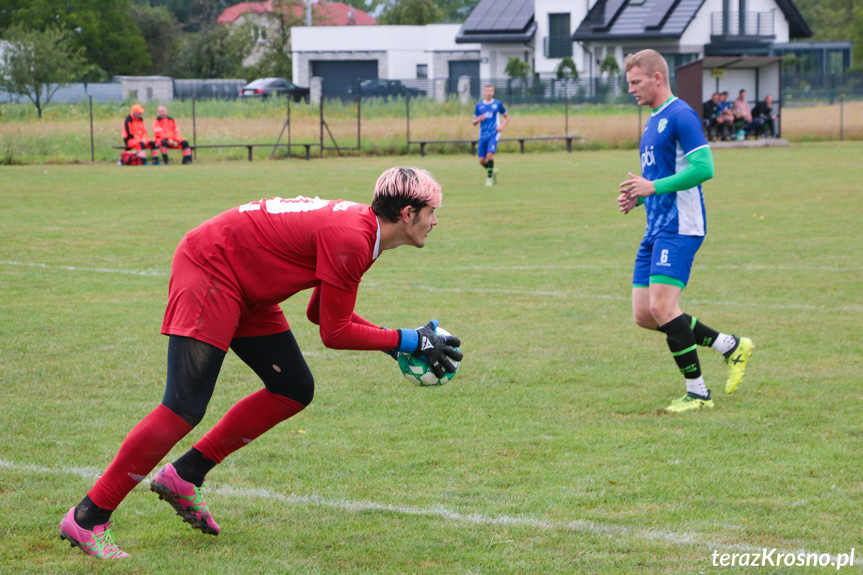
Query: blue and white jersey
x=672, y=131
x=490, y=111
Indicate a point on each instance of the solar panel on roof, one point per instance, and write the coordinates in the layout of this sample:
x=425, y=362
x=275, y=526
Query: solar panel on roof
x=659, y=13
x=499, y=16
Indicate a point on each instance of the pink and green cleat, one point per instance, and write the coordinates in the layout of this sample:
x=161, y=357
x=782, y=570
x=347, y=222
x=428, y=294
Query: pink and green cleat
x=99, y=542
x=185, y=498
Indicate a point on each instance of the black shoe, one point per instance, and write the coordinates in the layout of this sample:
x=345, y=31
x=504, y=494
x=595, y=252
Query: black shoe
x=187, y=159
x=165, y=158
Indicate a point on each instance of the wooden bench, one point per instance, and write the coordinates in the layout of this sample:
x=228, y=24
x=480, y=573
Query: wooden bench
x=249, y=147
x=473, y=143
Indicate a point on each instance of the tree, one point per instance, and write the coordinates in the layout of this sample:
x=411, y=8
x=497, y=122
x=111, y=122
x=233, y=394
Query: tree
x=212, y=53
x=35, y=64
x=103, y=29
x=273, y=50
x=411, y=12
x=609, y=65
x=830, y=19
x=161, y=33
x=566, y=70
x=517, y=69
x=456, y=10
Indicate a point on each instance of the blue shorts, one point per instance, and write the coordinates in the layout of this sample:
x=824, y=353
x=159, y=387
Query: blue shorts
x=666, y=254
x=488, y=145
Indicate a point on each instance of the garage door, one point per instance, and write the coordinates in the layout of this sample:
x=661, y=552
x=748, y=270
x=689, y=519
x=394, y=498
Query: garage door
x=342, y=77
x=459, y=68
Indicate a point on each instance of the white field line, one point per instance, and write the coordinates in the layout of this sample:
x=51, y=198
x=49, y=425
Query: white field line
x=91, y=270
x=564, y=267
x=518, y=292
x=440, y=512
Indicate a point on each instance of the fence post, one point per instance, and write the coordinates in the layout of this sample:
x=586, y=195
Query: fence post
x=92, y=144
x=841, y=117
x=194, y=131
x=408, y=116
x=566, y=112
x=322, y=126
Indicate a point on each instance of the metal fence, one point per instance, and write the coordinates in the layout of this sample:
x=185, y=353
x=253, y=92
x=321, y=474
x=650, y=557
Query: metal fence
x=74, y=93
x=607, y=90
x=821, y=88
x=208, y=89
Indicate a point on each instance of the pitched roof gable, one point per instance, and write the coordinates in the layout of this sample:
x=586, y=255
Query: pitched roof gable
x=323, y=13
x=655, y=19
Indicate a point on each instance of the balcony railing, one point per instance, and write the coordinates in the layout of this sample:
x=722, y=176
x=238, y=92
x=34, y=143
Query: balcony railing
x=557, y=46
x=750, y=25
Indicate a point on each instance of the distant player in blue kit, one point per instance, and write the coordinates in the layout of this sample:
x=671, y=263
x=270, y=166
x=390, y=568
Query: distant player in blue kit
x=675, y=161
x=487, y=114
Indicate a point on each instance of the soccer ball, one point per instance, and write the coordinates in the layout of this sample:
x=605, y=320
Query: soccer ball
x=416, y=369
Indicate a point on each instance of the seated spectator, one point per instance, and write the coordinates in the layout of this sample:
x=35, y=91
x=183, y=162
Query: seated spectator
x=726, y=114
x=167, y=135
x=764, y=111
x=715, y=122
x=135, y=135
x=743, y=119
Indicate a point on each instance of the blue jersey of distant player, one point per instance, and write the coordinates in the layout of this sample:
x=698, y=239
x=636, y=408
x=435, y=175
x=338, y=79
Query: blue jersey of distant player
x=491, y=112
x=672, y=131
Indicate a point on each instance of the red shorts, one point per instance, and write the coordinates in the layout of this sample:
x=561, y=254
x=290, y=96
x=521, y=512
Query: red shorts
x=203, y=305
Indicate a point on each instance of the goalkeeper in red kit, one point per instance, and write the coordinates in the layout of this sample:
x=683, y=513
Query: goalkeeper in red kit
x=227, y=278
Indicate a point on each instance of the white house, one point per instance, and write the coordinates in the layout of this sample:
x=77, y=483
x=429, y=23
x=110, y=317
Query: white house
x=408, y=53
x=543, y=32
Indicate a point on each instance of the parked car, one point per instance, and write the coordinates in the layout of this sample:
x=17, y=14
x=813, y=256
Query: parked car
x=265, y=87
x=387, y=89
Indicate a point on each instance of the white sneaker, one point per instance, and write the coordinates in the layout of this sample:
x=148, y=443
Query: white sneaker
x=489, y=182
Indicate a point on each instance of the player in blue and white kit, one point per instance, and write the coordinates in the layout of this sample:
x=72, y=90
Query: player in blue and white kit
x=487, y=114
x=675, y=161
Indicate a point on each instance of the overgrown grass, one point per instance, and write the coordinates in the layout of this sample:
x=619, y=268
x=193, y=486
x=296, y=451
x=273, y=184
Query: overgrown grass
x=548, y=453
x=63, y=136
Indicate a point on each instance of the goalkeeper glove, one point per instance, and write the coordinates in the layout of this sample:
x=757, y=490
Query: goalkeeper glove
x=436, y=349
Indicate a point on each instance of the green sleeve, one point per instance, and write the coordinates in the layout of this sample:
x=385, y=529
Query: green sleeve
x=699, y=170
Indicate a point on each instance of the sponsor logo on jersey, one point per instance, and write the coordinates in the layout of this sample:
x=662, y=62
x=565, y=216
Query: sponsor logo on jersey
x=647, y=158
x=662, y=123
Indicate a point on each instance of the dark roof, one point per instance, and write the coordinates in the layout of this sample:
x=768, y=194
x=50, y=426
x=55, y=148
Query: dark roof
x=658, y=19
x=498, y=21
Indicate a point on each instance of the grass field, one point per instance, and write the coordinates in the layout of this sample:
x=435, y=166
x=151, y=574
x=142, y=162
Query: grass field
x=548, y=453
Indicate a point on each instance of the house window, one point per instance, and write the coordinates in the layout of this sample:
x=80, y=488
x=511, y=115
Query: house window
x=422, y=71
x=558, y=44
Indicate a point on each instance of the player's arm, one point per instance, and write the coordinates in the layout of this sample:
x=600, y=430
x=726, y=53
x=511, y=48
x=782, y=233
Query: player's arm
x=313, y=311
x=340, y=327
x=339, y=331
x=699, y=170
x=505, y=122
x=477, y=117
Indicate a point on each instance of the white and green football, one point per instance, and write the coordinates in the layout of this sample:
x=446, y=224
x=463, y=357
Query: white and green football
x=416, y=369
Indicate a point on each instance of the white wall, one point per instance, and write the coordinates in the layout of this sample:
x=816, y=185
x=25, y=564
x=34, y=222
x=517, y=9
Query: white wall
x=403, y=46
x=577, y=11
x=493, y=58
x=698, y=32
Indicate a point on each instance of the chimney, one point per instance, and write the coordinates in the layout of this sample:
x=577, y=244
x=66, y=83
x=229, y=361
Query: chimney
x=352, y=19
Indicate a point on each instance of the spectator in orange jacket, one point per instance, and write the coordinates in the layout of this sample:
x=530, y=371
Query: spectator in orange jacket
x=135, y=135
x=167, y=135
